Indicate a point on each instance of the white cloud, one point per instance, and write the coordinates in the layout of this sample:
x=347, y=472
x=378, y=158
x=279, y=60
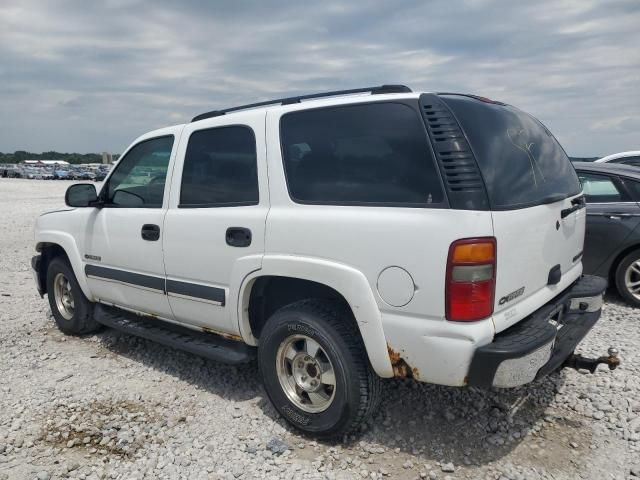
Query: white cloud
x=90, y=76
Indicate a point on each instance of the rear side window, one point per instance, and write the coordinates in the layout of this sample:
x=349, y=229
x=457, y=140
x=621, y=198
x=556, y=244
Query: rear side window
x=635, y=161
x=370, y=154
x=520, y=160
x=600, y=188
x=220, y=168
x=634, y=188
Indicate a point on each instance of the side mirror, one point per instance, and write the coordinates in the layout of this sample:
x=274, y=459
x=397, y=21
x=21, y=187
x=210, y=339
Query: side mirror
x=81, y=195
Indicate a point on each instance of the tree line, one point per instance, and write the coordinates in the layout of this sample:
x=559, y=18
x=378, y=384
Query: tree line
x=75, y=158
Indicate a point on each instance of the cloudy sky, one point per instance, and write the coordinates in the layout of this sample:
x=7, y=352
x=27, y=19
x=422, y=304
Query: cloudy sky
x=90, y=76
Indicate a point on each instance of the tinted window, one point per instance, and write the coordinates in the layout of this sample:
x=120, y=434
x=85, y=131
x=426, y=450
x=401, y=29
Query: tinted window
x=220, y=168
x=634, y=188
x=599, y=188
x=139, y=178
x=359, y=154
x=628, y=161
x=521, y=162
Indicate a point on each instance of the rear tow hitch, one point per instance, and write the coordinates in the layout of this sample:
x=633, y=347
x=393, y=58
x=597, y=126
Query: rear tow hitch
x=579, y=362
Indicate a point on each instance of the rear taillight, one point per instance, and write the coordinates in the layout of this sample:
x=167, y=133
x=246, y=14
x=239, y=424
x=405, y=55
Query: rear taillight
x=471, y=279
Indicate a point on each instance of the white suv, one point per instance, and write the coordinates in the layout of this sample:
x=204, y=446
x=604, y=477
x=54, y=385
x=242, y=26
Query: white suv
x=341, y=238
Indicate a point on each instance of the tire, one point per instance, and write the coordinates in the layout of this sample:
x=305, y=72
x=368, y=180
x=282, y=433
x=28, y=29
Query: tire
x=628, y=270
x=339, y=410
x=78, y=319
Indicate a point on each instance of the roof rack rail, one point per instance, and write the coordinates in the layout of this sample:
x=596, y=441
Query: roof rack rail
x=289, y=100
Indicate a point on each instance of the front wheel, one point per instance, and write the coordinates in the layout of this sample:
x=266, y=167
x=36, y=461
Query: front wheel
x=315, y=369
x=72, y=311
x=628, y=278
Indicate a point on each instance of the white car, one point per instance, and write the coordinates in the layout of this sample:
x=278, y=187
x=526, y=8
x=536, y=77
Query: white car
x=340, y=238
x=625, y=158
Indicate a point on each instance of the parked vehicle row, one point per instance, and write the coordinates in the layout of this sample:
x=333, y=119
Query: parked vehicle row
x=70, y=172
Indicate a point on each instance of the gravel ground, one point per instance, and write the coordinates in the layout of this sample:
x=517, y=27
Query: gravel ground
x=114, y=406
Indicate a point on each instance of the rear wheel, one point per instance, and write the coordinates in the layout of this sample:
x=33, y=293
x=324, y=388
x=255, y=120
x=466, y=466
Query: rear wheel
x=628, y=278
x=72, y=311
x=315, y=369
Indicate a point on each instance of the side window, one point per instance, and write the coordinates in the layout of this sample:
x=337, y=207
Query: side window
x=635, y=161
x=138, y=180
x=600, y=188
x=634, y=188
x=220, y=168
x=370, y=154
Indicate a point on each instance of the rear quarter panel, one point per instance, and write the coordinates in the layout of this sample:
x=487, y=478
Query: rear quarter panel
x=370, y=239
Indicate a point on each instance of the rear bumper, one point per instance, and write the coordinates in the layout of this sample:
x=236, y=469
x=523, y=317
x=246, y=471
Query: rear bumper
x=540, y=343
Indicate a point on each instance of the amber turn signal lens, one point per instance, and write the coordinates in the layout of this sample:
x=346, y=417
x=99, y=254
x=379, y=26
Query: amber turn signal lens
x=479, y=252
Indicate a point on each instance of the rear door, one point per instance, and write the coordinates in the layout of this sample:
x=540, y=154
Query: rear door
x=214, y=229
x=535, y=198
x=611, y=217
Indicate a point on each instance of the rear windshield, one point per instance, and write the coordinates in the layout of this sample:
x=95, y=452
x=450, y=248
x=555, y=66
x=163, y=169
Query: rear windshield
x=521, y=161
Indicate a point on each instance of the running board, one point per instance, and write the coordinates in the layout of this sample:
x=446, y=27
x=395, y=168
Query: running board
x=208, y=345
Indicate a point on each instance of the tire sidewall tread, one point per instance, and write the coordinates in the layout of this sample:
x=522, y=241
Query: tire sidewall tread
x=357, y=386
x=619, y=277
x=82, y=322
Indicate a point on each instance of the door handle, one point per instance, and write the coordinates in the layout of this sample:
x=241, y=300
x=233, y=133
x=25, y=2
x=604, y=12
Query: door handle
x=238, y=237
x=620, y=216
x=150, y=232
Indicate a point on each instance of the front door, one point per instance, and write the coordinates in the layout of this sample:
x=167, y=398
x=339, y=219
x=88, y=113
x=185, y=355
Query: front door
x=123, y=252
x=214, y=228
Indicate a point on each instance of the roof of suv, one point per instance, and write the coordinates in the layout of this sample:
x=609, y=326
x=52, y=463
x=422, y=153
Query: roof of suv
x=337, y=97
x=379, y=90
x=614, y=168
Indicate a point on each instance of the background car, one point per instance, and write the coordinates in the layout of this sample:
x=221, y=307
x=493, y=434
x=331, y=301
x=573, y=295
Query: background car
x=30, y=173
x=612, y=241
x=61, y=174
x=625, y=158
x=9, y=170
x=87, y=175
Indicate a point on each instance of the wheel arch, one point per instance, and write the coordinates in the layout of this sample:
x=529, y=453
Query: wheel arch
x=313, y=278
x=52, y=246
x=615, y=263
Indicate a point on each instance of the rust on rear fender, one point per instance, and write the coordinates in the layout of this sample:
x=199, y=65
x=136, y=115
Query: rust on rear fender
x=401, y=368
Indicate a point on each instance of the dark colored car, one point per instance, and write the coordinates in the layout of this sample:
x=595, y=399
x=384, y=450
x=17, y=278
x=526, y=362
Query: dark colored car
x=83, y=175
x=612, y=241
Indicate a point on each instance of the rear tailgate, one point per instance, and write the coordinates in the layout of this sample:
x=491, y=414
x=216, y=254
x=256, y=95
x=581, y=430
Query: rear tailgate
x=536, y=203
x=532, y=244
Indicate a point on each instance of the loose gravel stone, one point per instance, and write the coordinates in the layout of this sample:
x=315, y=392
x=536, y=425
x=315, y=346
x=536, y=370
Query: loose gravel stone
x=110, y=406
x=448, y=468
